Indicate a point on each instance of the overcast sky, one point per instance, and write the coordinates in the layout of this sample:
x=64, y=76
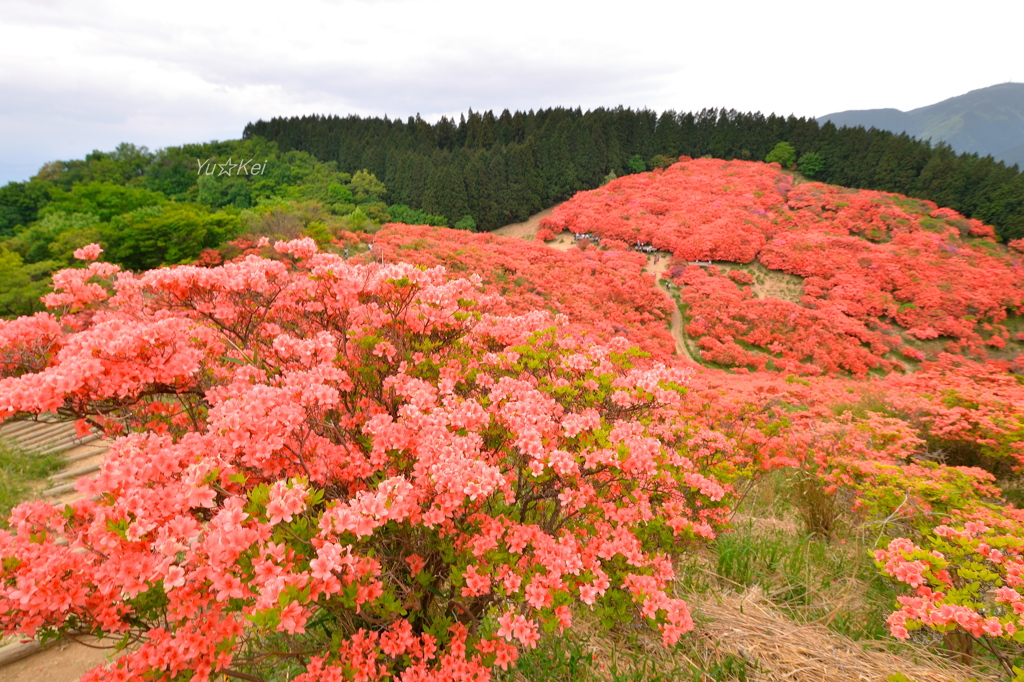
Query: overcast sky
x=78, y=75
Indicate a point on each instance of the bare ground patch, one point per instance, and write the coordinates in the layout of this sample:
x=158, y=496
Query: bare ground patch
x=65, y=661
x=563, y=241
x=526, y=229
x=772, y=283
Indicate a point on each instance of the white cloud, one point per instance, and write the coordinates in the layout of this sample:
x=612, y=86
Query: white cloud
x=82, y=75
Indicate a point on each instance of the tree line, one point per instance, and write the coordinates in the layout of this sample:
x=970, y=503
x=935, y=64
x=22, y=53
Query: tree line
x=148, y=209
x=498, y=169
x=328, y=176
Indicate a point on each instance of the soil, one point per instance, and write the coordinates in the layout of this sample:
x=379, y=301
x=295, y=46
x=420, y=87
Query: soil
x=563, y=241
x=526, y=229
x=63, y=662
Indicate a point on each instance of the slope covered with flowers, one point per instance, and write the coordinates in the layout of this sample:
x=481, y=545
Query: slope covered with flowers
x=307, y=443
x=603, y=293
x=882, y=273
x=890, y=286
x=448, y=448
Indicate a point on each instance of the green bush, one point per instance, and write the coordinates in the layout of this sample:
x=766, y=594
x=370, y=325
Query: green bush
x=783, y=154
x=810, y=164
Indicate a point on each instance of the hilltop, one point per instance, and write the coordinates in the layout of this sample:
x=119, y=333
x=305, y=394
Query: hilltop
x=872, y=280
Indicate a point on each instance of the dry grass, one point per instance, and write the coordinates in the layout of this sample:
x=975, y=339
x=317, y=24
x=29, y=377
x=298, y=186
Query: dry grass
x=737, y=637
x=771, y=283
x=630, y=652
x=745, y=626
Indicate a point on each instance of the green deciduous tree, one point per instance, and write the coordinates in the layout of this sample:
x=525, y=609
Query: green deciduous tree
x=177, y=233
x=365, y=186
x=783, y=154
x=20, y=203
x=21, y=284
x=636, y=164
x=36, y=242
x=466, y=223
x=811, y=164
x=103, y=199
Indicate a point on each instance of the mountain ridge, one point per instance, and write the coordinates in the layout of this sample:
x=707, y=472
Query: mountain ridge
x=987, y=121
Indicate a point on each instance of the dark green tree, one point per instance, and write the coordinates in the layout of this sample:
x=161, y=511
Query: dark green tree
x=446, y=192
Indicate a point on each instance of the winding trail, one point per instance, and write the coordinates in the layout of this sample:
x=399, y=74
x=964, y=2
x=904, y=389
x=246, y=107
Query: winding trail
x=682, y=349
x=657, y=264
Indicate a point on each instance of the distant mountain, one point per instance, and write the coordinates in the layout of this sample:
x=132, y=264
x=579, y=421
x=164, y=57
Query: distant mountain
x=986, y=121
x=1015, y=155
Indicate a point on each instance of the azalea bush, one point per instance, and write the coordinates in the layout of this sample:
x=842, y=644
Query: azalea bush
x=602, y=293
x=967, y=584
x=882, y=274
x=309, y=446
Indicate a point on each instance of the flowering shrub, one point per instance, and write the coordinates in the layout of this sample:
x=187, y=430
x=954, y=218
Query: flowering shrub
x=967, y=582
x=969, y=413
x=307, y=444
x=697, y=209
x=602, y=293
x=544, y=235
x=881, y=272
x=775, y=334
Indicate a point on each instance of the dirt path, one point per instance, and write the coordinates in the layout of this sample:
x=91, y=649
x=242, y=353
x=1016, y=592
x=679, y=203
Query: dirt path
x=677, y=332
x=63, y=662
x=526, y=229
x=657, y=265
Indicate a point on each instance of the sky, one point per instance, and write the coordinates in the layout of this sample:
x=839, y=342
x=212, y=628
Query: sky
x=79, y=75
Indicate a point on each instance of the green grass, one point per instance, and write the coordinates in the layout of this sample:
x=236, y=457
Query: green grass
x=556, y=659
x=19, y=470
x=832, y=581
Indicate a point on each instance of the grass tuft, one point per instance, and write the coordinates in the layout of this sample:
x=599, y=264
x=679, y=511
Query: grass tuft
x=20, y=471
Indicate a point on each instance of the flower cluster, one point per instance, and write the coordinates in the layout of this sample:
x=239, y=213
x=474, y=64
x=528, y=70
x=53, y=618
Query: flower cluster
x=364, y=449
x=881, y=274
x=603, y=293
x=967, y=579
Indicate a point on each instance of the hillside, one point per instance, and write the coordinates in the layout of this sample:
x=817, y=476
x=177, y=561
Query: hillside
x=705, y=398
x=876, y=278
x=501, y=168
x=989, y=121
